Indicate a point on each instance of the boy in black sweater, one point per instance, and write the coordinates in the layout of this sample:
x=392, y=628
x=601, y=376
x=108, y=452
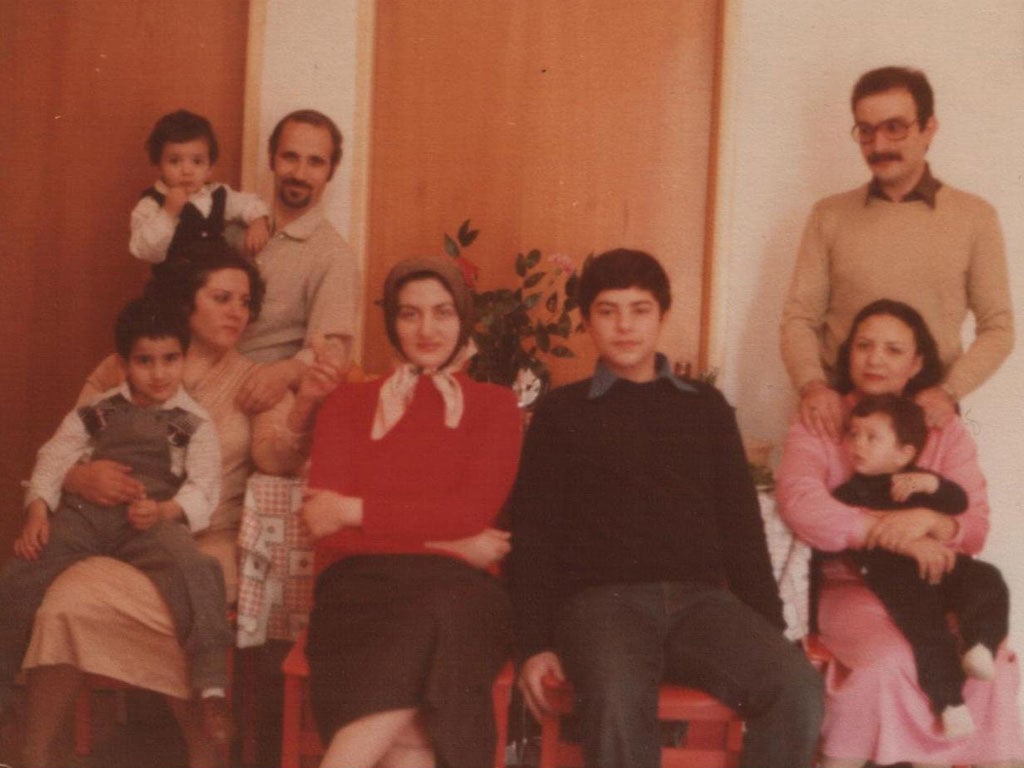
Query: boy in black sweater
x=639, y=552
x=884, y=436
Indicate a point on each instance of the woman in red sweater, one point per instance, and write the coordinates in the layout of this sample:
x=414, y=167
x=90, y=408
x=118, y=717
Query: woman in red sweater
x=409, y=627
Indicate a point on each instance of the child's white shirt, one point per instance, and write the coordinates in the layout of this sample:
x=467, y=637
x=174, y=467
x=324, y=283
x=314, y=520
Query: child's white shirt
x=153, y=228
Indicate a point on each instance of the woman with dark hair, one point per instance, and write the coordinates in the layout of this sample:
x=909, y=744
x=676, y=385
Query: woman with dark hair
x=408, y=475
x=927, y=349
x=875, y=710
x=105, y=617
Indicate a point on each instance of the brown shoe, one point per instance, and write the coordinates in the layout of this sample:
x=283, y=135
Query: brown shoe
x=217, y=719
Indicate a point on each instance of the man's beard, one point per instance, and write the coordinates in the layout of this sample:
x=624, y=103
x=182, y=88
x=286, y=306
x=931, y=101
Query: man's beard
x=287, y=191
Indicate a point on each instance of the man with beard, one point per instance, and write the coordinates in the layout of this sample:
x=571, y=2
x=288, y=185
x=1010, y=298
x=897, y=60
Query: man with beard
x=904, y=236
x=312, y=277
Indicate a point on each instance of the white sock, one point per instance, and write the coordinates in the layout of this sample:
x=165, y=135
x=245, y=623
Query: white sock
x=979, y=663
x=213, y=693
x=957, y=722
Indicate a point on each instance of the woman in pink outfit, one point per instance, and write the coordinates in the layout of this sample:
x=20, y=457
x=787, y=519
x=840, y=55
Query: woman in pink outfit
x=874, y=708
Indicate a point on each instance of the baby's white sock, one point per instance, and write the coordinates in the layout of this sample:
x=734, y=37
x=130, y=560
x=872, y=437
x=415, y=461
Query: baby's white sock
x=957, y=722
x=213, y=693
x=978, y=662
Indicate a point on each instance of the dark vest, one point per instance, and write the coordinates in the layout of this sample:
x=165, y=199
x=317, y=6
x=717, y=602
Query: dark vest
x=192, y=226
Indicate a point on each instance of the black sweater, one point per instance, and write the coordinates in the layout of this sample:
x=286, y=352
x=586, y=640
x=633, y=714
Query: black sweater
x=645, y=483
x=875, y=492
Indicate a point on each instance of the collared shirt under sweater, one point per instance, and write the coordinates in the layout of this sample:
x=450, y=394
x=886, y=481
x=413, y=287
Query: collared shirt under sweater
x=633, y=483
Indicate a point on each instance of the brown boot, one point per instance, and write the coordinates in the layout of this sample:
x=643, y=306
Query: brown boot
x=217, y=719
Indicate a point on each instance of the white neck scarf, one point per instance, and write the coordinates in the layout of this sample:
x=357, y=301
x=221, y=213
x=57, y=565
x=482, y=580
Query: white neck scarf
x=397, y=392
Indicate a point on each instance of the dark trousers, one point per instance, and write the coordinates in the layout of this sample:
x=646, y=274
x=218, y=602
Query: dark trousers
x=973, y=591
x=619, y=642
x=191, y=583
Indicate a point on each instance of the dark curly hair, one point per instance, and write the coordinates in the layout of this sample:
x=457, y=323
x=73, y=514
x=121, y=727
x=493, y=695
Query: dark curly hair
x=177, y=127
x=931, y=365
x=148, y=318
x=178, y=281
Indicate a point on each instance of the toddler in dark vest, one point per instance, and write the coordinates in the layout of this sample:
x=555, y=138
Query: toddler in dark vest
x=183, y=206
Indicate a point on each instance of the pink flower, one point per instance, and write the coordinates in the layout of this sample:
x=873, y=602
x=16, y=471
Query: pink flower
x=563, y=262
x=470, y=271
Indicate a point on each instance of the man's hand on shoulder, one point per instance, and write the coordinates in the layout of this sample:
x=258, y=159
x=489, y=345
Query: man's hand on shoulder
x=531, y=681
x=821, y=410
x=267, y=384
x=939, y=406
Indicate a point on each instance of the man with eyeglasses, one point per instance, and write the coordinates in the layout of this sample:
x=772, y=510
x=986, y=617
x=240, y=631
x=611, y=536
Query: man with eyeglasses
x=907, y=236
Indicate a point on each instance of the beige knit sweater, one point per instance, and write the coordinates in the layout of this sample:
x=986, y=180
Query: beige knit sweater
x=942, y=261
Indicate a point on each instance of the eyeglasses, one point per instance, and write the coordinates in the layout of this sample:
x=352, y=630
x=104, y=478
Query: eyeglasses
x=893, y=129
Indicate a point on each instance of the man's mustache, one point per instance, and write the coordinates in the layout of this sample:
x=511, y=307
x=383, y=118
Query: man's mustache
x=297, y=183
x=881, y=157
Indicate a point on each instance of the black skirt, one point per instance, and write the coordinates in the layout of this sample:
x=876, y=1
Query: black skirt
x=400, y=631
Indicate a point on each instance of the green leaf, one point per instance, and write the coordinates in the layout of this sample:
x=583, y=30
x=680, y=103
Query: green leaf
x=467, y=235
x=451, y=247
x=570, y=303
x=533, y=279
x=571, y=285
x=532, y=259
x=543, y=341
x=531, y=301
x=562, y=351
x=520, y=265
x=552, y=303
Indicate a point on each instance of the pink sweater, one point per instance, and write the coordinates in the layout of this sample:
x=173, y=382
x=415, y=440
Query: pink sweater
x=812, y=467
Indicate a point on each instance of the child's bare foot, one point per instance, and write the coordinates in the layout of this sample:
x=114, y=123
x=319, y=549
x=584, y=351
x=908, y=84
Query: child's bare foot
x=979, y=663
x=957, y=722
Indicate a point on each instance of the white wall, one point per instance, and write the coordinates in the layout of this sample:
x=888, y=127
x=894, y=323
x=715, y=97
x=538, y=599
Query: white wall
x=313, y=54
x=789, y=68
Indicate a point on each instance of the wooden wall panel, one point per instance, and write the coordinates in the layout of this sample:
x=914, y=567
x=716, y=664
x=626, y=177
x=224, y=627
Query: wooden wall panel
x=83, y=82
x=572, y=126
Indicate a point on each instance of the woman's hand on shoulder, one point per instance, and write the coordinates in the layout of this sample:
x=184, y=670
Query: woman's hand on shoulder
x=483, y=550
x=934, y=559
x=326, y=512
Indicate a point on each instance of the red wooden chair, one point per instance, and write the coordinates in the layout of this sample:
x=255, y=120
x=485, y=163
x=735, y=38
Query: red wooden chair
x=300, y=739
x=83, y=709
x=714, y=735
